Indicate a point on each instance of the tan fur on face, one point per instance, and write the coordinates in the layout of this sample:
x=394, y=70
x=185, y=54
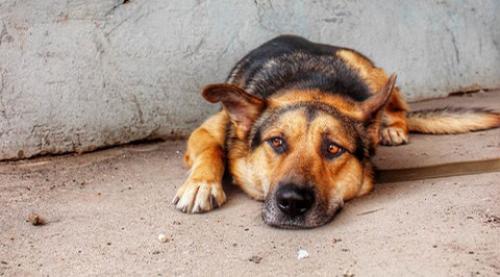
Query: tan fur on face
x=255, y=172
x=258, y=172
x=342, y=176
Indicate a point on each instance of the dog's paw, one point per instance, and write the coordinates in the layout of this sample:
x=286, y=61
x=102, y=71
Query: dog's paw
x=393, y=136
x=199, y=196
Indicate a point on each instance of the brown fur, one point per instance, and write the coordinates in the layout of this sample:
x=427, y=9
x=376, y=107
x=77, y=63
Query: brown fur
x=258, y=170
x=452, y=120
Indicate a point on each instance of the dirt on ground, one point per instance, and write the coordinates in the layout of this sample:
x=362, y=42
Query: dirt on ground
x=109, y=213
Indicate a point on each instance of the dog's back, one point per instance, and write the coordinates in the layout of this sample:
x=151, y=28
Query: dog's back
x=291, y=62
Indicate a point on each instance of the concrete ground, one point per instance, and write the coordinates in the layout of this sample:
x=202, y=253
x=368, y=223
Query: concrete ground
x=105, y=210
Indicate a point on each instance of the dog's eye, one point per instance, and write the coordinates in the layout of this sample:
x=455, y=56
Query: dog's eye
x=332, y=150
x=278, y=144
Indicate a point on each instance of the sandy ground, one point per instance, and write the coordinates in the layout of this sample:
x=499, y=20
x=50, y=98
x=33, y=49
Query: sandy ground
x=106, y=209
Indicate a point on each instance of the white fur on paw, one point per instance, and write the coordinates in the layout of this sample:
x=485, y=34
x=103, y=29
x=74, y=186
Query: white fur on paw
x=393, y=136
x=199, y=196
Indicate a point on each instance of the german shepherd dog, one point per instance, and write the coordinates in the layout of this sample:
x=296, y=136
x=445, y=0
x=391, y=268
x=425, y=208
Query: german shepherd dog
x=299, y=123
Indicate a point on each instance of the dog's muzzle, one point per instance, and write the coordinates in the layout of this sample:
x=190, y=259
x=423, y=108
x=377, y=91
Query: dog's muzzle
x=296, y=206
x=293, y=200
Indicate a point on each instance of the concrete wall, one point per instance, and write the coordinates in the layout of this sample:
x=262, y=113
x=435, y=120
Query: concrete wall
x=81, y=74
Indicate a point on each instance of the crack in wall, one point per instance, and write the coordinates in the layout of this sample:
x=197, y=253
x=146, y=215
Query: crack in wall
x=454, y=42
x=3, y=33
x=195, y=50
x=3, y=111
x=139, y=110
x=113, y=9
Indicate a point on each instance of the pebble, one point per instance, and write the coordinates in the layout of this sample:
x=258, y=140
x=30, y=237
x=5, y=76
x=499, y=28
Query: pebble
x=302, y=254
x=35, y=219
x=162, y=237
x=255, y=259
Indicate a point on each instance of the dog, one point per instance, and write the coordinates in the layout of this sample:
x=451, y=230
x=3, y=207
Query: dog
x=298, y=125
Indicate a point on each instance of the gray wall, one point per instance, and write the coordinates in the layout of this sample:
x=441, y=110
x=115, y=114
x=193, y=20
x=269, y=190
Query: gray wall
x=81, y=74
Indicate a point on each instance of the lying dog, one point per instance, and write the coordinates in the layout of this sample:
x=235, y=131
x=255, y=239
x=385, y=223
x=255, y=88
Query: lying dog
x=299, y=124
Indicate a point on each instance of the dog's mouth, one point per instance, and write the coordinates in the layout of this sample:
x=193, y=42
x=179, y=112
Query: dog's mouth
x=319, y=213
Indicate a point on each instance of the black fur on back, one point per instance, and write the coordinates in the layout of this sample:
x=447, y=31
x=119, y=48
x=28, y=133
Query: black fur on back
x=291, y=62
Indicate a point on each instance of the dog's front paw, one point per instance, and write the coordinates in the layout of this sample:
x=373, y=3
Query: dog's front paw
x=199, y=196
x=393, y=136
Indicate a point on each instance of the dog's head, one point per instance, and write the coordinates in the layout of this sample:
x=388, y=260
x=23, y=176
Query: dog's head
x=303, y=152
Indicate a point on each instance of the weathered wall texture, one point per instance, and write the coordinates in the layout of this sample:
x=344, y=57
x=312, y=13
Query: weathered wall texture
x=81, y=74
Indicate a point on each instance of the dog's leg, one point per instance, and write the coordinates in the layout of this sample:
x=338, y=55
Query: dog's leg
x=202, y=190
x=394, y=129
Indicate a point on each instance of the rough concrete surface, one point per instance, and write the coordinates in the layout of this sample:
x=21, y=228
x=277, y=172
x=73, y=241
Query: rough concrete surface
x=105, y=210
x=81, y=74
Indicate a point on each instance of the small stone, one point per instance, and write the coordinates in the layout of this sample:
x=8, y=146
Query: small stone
x=302, y=254
x=163, y=238
x=255, y=259
x=36, y=220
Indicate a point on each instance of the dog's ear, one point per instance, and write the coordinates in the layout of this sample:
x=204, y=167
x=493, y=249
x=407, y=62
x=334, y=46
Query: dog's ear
x=373, y=104
x=242, y=108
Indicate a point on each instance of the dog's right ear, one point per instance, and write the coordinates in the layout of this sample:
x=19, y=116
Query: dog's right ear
x=242, y=108
x=376, y=102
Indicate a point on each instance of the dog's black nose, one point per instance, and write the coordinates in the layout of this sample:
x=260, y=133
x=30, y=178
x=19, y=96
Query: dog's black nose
x=294, y=200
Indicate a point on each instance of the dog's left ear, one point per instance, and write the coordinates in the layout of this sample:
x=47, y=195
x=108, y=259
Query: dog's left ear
x=373, y=104
x=242, y=108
